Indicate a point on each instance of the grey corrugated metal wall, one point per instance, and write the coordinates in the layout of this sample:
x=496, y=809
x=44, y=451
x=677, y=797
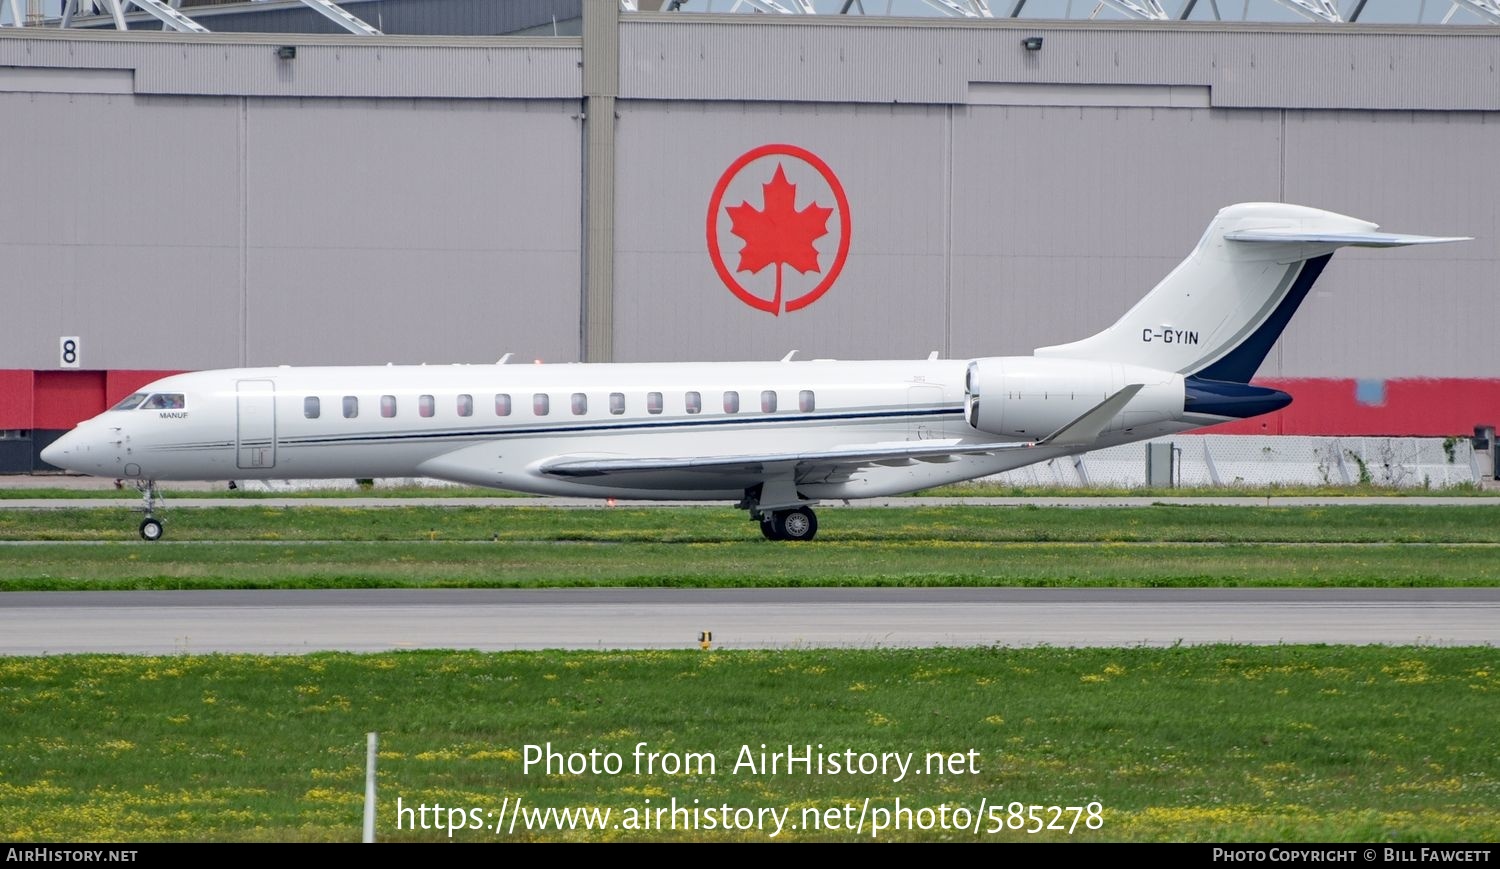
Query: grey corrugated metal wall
x=406, y=199
x=673, y=56
x=216, y=230
x=982, y=228
x=289, y=231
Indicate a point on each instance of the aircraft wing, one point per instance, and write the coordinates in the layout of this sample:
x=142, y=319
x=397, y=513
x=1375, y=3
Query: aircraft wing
x=1080, y=432
x=844, y=458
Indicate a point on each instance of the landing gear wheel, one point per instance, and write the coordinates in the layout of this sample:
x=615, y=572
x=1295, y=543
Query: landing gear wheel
x=151, y=529
x=768, y=528
x=798, y=524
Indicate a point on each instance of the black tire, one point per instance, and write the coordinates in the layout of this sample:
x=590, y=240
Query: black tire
x=798, y=524
x=151, y=530
x=768, y=528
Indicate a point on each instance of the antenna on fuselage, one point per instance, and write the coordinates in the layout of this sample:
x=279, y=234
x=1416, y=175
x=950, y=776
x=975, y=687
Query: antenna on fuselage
x=504, y=359
x=788, y=356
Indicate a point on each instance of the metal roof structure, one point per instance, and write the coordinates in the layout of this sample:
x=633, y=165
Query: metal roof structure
x=358, y=17
x=1314, y=11
x=487, y=17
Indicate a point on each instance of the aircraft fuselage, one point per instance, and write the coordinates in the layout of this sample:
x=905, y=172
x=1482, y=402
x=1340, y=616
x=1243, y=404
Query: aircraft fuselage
x=492, y=425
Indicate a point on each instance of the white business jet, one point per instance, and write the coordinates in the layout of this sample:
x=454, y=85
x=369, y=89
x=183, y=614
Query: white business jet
x=775, y=437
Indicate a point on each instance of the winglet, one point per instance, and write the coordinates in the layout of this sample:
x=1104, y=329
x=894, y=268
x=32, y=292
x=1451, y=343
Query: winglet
x=1087, y=428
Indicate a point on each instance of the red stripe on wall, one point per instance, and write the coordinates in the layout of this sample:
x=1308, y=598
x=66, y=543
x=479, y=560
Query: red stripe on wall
x=62, y=399
x=1416, y=407
x=15, y=399
x=1435, y=407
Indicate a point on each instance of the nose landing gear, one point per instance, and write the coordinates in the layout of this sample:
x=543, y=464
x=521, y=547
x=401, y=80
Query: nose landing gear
x=151, y=527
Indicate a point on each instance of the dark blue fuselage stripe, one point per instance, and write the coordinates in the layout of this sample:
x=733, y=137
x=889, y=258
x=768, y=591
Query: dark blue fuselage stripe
x=1241, y=363
x=592, y=428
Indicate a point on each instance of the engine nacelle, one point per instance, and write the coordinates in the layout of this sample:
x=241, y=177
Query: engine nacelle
x=1029, y=398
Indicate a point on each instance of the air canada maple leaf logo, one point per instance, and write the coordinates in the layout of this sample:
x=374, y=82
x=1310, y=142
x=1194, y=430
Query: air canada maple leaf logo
x=778, y=235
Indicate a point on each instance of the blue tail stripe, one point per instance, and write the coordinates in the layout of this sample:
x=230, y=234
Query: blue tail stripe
x=1241, y=363
x=1233, y=400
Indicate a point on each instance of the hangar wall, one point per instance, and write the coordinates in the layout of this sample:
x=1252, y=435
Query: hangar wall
x=186, y=201
x=262, y=242
x=997, y=229
x=1006, y=199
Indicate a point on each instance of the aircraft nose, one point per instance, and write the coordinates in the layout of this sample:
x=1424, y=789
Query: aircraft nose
x=61, y=450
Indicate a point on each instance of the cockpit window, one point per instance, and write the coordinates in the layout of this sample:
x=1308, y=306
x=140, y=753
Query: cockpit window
x=130, y=402
x=164, y=401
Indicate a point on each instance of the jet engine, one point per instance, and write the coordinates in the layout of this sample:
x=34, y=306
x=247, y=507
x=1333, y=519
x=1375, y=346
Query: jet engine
x=1029, y=398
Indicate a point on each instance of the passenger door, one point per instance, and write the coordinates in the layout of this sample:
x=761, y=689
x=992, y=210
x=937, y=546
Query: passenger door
x=255, y=441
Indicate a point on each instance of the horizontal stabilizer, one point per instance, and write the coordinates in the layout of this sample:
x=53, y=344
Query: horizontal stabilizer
x=1351, y=239
x=1085, y=430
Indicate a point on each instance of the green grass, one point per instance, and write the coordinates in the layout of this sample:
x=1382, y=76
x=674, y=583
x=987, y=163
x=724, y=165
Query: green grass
x=990, y=489
x=1208, y=744
x=737, y=565
x=1188, y=744
x=974, y=489
x=129, y=493
x=320, y=547
x=1160, y=523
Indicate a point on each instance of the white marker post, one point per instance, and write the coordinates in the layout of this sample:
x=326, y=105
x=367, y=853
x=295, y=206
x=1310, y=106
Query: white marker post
x=370, y=753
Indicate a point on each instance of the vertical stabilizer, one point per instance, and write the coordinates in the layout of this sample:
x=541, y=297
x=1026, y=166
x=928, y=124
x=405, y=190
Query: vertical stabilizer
x=1219, y=312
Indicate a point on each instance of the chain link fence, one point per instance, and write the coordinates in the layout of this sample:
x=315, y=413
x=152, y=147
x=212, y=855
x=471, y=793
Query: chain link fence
x=1262, y=460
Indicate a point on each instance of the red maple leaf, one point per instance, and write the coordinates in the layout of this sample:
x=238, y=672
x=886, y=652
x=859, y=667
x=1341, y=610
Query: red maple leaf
x=780, y=234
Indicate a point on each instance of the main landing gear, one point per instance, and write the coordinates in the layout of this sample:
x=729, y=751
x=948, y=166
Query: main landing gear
x=798, y=524
x=793, y=520
x=151, y=527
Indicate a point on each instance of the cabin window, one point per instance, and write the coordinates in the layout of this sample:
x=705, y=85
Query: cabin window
x=130, y=402
x=312, y=408
x=351, y=406
x=502, y=404
x=694, y=402
x=805, y=401
x=466, y=405
x=580, y=404
x=617, y=403
x=541, y=404
x=164, y=401
x=731, y=402
x=768, y=401
x=653, y=402
x=426, y=406
x=387, y=406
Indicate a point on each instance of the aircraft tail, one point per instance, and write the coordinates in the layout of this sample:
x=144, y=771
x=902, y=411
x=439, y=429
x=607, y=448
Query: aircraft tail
x=1216, y=316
